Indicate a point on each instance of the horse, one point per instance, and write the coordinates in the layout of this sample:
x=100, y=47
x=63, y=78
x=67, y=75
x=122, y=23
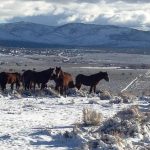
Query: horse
x=3, y=80
x=30, y=77
x=91, y=80
x=63, y=81
x=10, y=78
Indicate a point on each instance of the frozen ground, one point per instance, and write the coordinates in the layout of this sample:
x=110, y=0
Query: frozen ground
x=40, y=121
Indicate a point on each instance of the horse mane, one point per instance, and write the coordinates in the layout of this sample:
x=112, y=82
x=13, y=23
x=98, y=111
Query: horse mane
x=61, y=73
x=99, y=73
x=43, y=71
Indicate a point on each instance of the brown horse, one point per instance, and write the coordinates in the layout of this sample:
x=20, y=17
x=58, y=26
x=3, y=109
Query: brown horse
x=10, y=78
x=91, y=80
x=63, y=81
x=30, y=77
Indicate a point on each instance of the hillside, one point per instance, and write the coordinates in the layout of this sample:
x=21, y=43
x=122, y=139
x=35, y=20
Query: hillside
x=25, y=34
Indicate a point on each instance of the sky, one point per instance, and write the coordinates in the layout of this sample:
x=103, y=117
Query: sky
x=127, y=13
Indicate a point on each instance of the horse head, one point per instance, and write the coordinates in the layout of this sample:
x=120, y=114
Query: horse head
x=51, y=72
x=58, y=71
x=105, y=76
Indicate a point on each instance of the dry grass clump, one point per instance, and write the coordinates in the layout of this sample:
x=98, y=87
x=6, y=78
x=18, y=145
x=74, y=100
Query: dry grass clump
x=146, y=92
x=105, y=142
x=113, y=140
x=116, y=100
x=145, y=118
x=114, y=132
x=130, y=113
x=105, y=95
x=123, y=97
x=91, y=117
x=121, y=127
x=127, y=97
x=127, y=123
x=124, y=123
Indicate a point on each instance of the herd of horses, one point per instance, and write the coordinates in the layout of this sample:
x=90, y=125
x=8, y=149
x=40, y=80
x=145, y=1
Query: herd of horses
x=63, y=80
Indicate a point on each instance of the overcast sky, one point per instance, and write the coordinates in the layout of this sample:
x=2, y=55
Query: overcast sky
x=129, y=13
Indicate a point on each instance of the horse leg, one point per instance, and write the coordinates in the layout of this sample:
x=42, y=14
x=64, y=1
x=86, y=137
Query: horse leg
x=34, y=85
x=56, y=88
x=61, y=90
x=94, y=88
x=25, y=86
x=12, y=86
x=43, y=86
x=3, y=87
x=65, y=90
x=38, y=85
x=28, y=85
x=17, y=85
x=78, y=86
x=91, y=89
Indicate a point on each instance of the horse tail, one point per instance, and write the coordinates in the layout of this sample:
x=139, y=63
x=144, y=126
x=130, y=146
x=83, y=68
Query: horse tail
x=18, y=79
x=22, y=79
x=78, y=82
x=71, y=84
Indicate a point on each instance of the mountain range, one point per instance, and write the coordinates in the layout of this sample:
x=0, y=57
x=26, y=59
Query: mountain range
x=26, y=34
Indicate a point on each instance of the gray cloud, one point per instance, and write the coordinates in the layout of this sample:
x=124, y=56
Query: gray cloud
x=130, y=13
x=42, y=19
x=92, y=1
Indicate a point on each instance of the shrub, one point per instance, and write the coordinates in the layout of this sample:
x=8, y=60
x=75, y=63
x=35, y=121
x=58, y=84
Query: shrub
x=116, y=100
x=127, y=97
x=105, y=95
x=130, y=113
x=124, y=123
x=91, y=117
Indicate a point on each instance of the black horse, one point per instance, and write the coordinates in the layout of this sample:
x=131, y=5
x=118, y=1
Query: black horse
x=30, y=77
x=3, y=80
x=91, y=80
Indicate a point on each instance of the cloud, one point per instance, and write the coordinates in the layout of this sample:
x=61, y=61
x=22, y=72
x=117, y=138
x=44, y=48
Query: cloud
x=91, y=1
x=130, y=13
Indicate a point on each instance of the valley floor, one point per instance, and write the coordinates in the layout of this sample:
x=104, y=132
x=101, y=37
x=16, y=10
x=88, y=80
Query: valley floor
x=40, y=122
x=44, y=122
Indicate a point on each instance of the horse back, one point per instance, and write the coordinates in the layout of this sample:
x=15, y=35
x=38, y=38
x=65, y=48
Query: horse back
x=66, y=79
x=80, y=77
x=28, y=76
x=83, y=79
x=13, y=77
x=67, y=76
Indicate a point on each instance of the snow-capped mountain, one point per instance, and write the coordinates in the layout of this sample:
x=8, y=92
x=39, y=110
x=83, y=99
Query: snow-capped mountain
x=74, y=34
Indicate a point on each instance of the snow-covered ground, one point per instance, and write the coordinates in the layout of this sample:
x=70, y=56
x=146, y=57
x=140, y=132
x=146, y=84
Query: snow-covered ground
x=44, y=121
x=32, y=122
